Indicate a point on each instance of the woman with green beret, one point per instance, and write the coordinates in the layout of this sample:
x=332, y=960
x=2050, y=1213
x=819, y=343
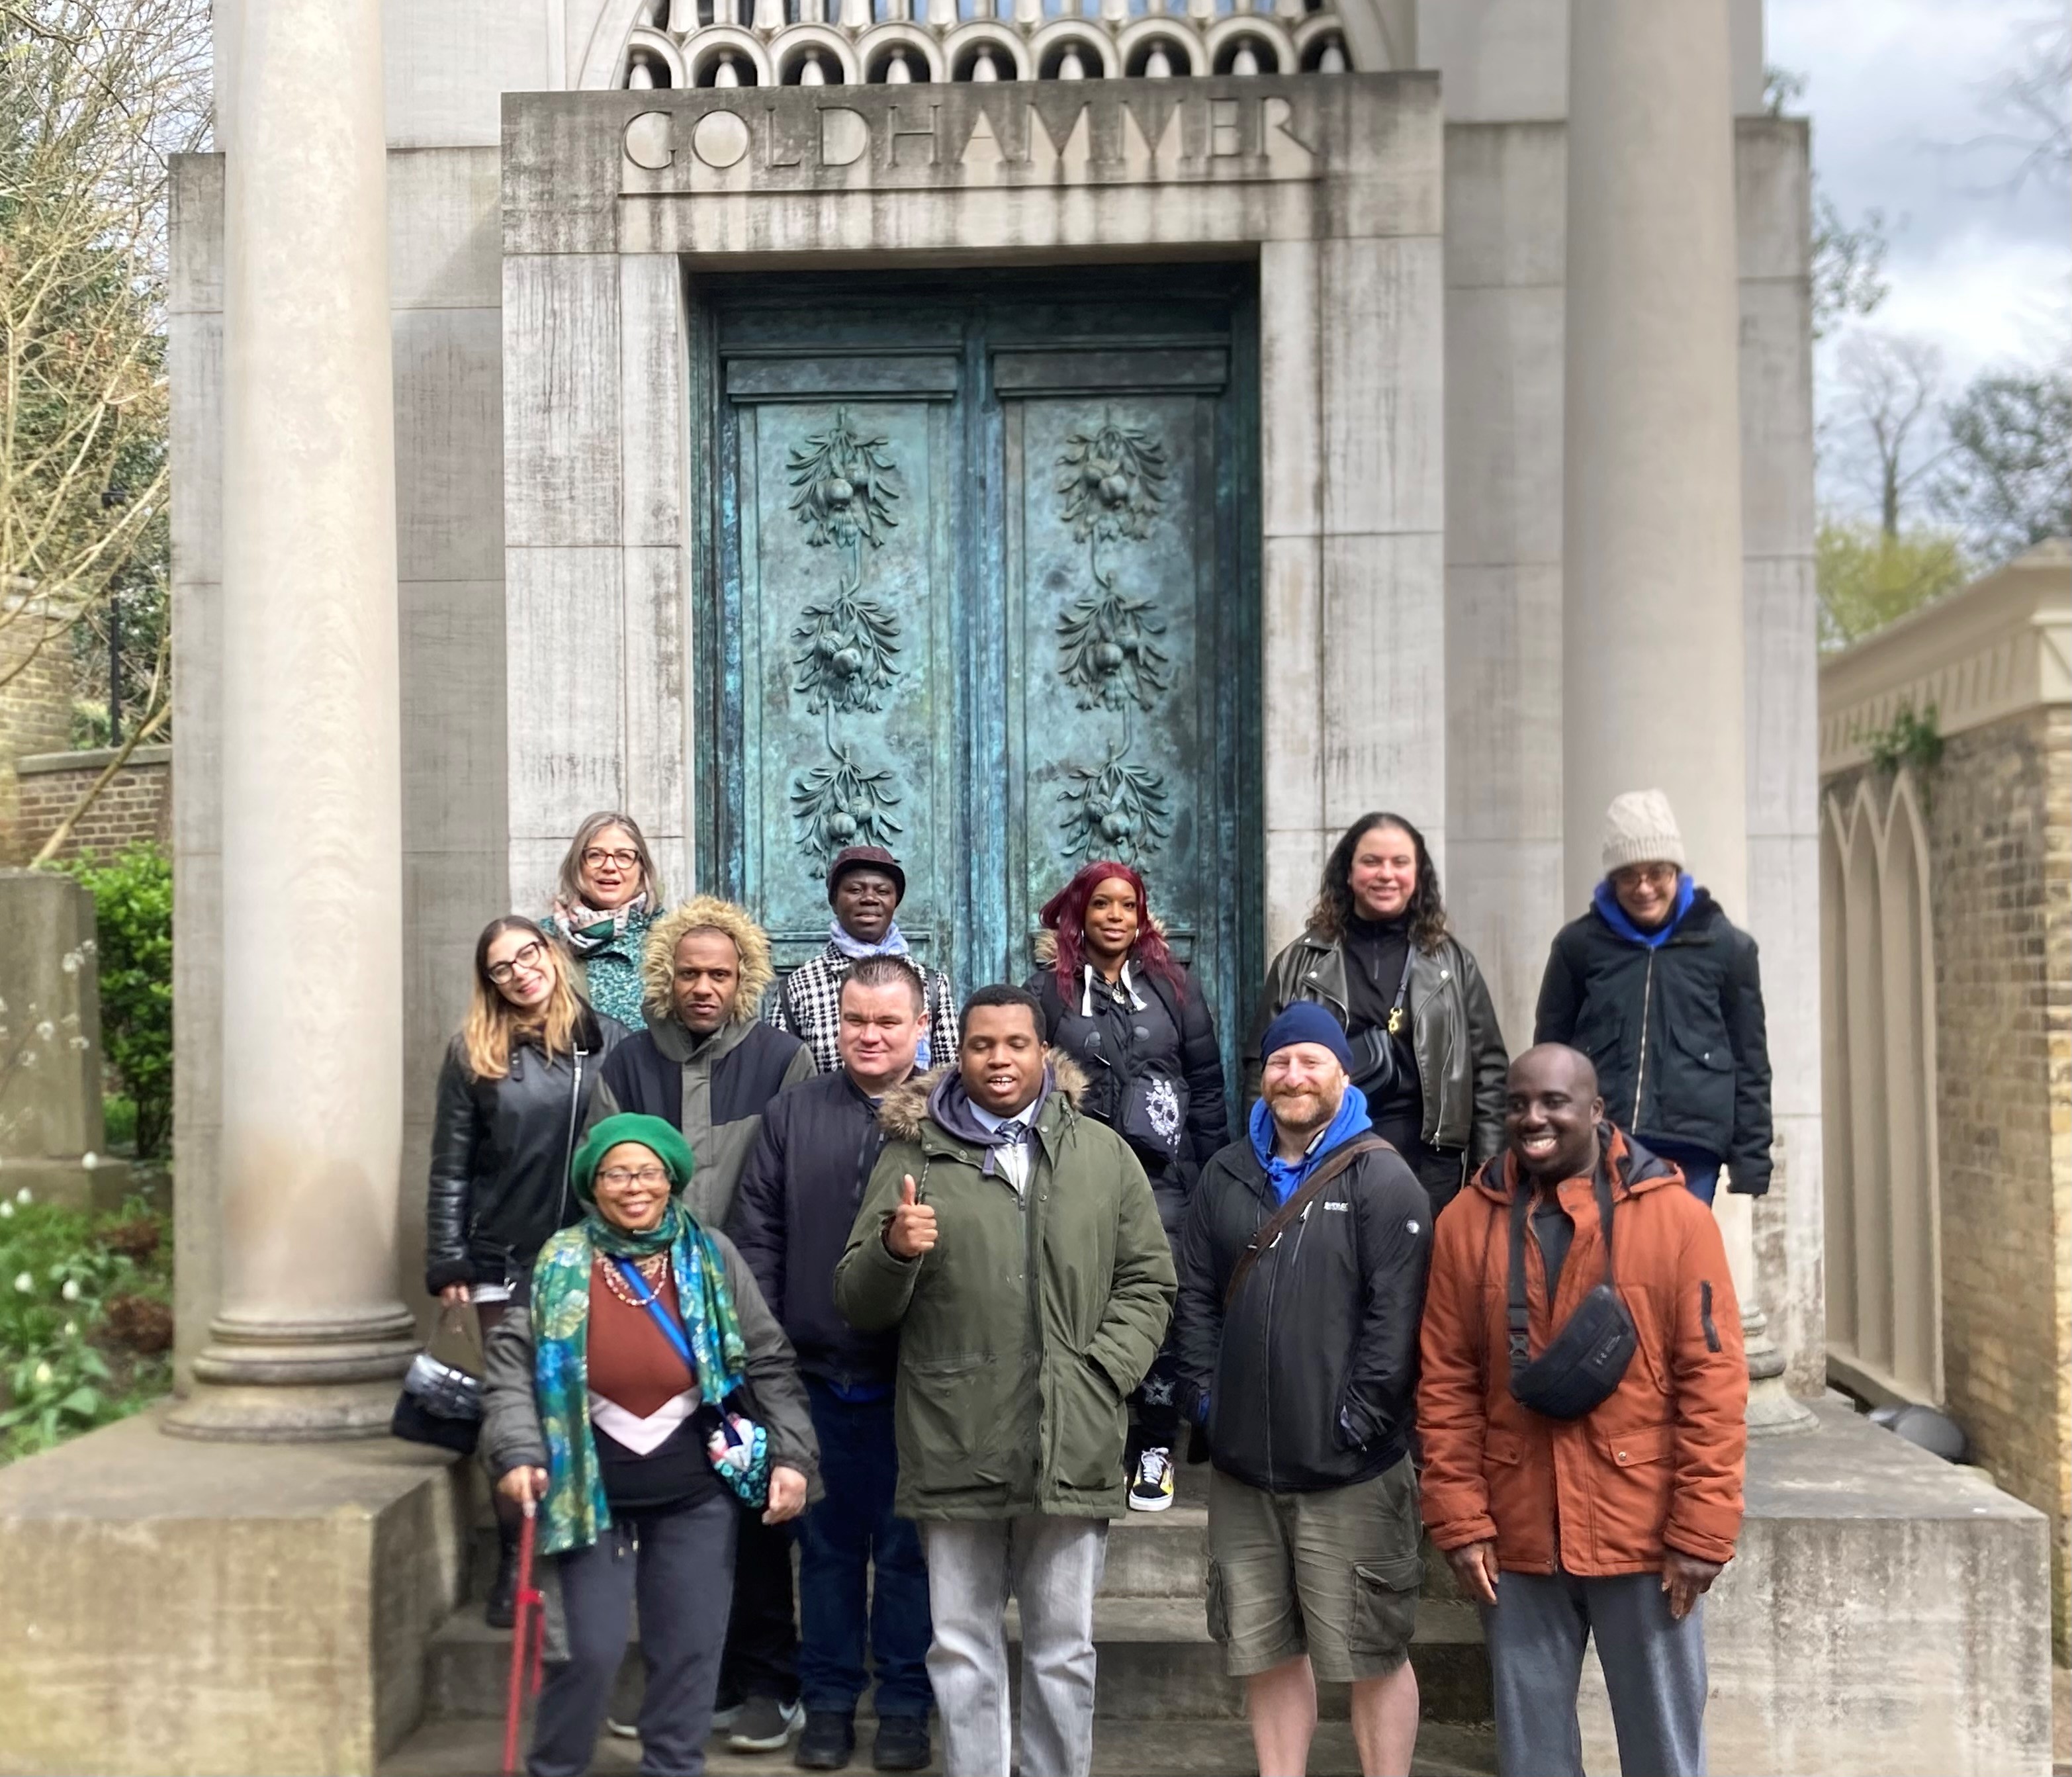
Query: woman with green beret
x=642, y=1390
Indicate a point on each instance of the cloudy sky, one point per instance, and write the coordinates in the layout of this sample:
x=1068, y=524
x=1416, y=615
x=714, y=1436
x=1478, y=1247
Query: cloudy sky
x=1900, y=94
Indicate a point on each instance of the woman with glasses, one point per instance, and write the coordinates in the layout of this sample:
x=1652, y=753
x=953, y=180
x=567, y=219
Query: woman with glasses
x=513, y=1094
x=643, y=1389
x=604, y=903
x=1663, y=993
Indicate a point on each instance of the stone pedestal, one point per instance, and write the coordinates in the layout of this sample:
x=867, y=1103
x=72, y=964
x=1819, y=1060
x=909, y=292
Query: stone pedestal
x=177, y=1607
x=52, y=1137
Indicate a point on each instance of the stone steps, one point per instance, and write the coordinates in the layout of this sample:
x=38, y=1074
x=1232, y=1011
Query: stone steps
x=467, y=1747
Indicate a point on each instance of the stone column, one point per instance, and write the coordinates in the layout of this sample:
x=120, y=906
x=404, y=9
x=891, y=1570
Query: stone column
x=310, y=1337
x=1651, y=509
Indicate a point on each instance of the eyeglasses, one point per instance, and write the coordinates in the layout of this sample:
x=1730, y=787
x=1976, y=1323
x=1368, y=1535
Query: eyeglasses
x=528, y=956
x=1632, y=875
x=619, y=1177
x=597, y=857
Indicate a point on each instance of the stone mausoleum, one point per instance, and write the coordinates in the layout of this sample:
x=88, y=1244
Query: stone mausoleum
x=1014, y=431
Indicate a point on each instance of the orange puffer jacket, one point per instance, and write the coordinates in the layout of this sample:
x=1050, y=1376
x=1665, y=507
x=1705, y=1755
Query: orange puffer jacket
x=1657, y=1462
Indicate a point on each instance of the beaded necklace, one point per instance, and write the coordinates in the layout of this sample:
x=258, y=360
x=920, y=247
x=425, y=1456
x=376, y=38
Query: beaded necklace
x=652, y=1270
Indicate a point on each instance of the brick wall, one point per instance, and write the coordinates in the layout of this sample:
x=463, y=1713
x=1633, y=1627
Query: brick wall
x=36, y=712
x=136, y=805
x=2001, y=847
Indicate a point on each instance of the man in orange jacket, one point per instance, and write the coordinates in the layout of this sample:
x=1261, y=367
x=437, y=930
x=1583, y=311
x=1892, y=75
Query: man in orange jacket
x=1616, y=1521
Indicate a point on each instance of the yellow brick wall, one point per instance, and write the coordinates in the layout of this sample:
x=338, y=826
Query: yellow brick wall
x=35, y=714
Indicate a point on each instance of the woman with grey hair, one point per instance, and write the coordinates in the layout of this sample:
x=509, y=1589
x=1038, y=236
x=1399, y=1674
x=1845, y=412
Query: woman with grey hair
x=605, y=900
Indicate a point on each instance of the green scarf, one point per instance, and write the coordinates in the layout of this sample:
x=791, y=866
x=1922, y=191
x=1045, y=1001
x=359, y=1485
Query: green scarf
x=575, y=1511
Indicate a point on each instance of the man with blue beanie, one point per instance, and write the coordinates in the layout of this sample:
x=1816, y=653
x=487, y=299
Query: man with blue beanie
x=1301, y=1286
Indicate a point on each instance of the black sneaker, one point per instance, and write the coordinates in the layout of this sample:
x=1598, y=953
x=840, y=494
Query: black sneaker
x=829, y=1738
x=902, y=1743
x=765, y=1725
x=501, y=1610
x=1152, y=1489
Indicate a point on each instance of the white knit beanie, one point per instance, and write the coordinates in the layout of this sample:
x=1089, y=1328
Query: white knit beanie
x=1640, y=828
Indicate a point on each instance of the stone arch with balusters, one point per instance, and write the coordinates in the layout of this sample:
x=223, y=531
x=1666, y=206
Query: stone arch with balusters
x=827, y=43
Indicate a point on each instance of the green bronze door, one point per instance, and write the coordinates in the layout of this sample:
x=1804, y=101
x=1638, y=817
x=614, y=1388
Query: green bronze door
x=979, y=584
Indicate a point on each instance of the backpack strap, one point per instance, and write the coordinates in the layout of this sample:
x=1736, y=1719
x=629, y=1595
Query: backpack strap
x=1297, y=1206
x=1518, y=1316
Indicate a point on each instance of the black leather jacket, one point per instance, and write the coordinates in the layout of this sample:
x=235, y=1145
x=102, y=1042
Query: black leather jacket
x=1453, y=1033
x=500, y=1153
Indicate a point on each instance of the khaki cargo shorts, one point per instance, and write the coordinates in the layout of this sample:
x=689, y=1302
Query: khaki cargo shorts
x=1334, y=1574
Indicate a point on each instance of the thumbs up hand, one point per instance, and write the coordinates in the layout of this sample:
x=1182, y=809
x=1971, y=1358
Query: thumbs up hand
x=910, y=1230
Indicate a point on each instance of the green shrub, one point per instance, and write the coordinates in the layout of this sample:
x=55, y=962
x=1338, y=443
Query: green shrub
x=133, y=904
x=85, y=1326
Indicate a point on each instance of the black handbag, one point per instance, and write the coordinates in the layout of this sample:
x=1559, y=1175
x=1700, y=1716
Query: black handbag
x=1583, y=1362
x=1380, y=1067
x=1153, y=1113
x=441, y=1403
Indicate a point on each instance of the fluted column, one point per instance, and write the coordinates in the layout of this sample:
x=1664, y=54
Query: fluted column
x=310, y=1336
x=1651, y=581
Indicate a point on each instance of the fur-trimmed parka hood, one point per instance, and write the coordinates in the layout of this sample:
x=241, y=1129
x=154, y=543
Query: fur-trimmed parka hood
x=906, y=1106
x=706, y=913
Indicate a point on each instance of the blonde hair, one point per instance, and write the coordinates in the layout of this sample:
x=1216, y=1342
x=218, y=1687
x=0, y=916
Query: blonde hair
x=571, y=886
x=494, y=1027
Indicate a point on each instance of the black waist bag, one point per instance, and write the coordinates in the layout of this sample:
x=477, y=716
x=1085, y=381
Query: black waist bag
x=1583, y=1364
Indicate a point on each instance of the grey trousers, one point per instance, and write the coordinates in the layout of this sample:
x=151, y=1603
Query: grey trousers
x=1053, y=1566
x=1655, y=1673
x=679, y=1565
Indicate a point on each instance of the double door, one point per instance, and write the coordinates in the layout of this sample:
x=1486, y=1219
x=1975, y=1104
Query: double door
x=978, y=584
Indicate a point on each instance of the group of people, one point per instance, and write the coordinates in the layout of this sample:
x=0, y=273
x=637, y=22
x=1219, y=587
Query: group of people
x=939, y=1290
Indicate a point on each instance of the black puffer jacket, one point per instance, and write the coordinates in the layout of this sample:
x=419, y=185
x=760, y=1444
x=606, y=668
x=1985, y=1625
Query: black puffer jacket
x=1678, y=1033
x=1312, y=1376
x=501, y=1149
x=798, y=1195
x=1174, y=1036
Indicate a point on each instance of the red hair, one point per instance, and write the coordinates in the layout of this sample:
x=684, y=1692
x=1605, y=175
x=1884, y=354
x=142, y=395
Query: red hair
x=1065, y=913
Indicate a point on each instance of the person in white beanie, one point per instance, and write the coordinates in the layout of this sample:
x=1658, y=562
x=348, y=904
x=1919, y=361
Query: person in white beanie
x=1663, y=993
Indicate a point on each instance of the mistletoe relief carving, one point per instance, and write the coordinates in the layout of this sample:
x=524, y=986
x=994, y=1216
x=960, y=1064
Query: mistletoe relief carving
x=843, y=487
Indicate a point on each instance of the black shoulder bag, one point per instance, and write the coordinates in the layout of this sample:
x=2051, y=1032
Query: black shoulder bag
x=1582, y=1366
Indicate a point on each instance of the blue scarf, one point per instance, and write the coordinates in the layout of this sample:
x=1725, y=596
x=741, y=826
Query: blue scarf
x=1286, y=1176
x=1615, y=916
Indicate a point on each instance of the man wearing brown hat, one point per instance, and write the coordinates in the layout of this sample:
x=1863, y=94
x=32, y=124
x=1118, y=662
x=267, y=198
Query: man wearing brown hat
x=866, y=886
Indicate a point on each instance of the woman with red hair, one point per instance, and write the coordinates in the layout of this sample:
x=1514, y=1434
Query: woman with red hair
x=1120, y=1005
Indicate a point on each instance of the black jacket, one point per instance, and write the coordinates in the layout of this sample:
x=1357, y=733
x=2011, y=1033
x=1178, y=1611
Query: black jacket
x=793, y=1210
x=500, y=1151
x=1179, y=1041
x=1677, y=1032
x=1312, y=1376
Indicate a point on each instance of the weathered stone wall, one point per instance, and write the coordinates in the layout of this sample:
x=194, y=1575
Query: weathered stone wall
x=2000, y=846
x=1999, y=818
x=136, y=804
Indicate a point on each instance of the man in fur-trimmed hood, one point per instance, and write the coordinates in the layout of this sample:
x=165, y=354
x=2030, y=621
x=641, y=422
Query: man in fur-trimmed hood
x=709, y=1065
x=1014, y=1243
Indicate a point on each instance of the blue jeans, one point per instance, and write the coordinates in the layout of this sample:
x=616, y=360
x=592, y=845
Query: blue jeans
x=840, y=1540
x=1701, y=1167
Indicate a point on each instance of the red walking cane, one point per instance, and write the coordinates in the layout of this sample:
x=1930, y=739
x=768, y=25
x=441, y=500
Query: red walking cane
x=528, y=1634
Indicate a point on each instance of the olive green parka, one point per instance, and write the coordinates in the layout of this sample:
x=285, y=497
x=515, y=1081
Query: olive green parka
x=1023, y=1332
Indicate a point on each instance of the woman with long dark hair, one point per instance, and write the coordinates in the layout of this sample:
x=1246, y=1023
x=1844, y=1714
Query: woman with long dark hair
x=513, y=1096
x=1427, y=1050
x=1119, y=1002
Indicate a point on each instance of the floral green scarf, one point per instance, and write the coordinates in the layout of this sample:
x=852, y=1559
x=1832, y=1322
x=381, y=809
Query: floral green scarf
x=575, y=1510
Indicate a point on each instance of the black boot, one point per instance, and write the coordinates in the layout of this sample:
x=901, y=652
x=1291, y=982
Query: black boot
x=501, y=1611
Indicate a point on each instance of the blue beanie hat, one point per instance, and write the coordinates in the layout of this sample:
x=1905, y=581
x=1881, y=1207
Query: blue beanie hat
x=1306, y=1022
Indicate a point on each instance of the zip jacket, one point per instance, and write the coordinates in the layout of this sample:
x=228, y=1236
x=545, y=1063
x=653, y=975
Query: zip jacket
x=1677, y=1032
x=1657, y=1463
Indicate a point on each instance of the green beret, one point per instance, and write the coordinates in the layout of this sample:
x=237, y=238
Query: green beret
x=663, y=1140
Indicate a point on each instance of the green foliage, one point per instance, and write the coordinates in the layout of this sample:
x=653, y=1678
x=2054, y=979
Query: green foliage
x=133, y=903
x=2007, y=479
x=64, y=1367
x=1907, y=739
x=1865, y=579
